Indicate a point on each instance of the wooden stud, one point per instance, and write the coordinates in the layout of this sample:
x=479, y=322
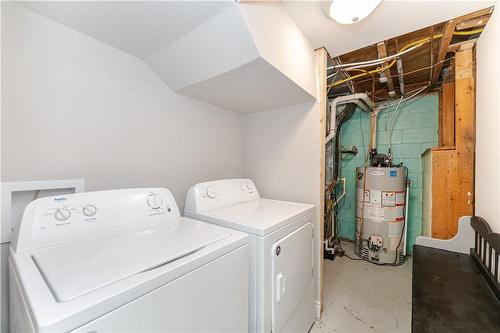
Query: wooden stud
x=382, y=53
x=447, y=115
x=465, y=125
x=448, y=30
x=321, y=85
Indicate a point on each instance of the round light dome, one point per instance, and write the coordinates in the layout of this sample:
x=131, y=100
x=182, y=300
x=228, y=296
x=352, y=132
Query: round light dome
x=349, y=11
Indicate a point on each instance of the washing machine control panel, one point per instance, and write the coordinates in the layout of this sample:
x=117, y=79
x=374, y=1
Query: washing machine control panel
x=82, y=215
x=220, y=193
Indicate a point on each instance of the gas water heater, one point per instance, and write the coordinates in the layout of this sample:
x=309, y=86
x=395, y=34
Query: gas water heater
x=380, y=214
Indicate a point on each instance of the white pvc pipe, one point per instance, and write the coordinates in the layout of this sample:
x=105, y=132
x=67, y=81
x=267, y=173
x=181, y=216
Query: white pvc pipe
x=361, y=100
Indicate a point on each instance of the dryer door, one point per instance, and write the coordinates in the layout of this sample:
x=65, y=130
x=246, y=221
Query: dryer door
x=292, y=268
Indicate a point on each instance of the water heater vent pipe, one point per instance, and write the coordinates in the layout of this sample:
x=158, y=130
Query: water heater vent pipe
x=361, y=100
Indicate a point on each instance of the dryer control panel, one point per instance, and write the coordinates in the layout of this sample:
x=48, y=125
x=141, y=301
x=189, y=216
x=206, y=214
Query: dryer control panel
x=220, y=193
x=71, y=217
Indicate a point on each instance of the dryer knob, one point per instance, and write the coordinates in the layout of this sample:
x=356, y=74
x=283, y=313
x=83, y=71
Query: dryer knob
x=62, y=214
x=211, y=192
x=155, y=201
x=89, y=210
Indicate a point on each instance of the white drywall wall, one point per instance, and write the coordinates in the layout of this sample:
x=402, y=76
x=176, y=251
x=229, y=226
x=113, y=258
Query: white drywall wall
x=281, y=146
x=282, y=156
x=280, y=41
x=74, y=107
x=488, y=123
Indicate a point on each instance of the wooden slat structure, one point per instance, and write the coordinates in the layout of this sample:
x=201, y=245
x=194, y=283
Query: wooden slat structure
x=452, y=164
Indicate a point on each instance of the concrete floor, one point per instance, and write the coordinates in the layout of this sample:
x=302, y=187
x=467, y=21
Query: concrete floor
x=362, y=297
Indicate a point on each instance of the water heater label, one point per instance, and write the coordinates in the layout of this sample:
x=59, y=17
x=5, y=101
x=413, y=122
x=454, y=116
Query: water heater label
x=375, y=197
x=388, y=199
x=400, y=198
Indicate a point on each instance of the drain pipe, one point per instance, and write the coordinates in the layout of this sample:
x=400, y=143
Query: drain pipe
x=361, y=100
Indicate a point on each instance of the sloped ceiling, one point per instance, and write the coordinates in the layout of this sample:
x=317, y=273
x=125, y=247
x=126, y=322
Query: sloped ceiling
x=390, y=19
x=136, y=27
x=208, y=50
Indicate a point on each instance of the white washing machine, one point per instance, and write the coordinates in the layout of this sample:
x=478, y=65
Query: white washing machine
x=281, y=252
x=125, y=261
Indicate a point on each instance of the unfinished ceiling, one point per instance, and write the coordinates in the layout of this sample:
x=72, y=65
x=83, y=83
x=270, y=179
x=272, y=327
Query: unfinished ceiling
x=390, y=19
x=427, y=63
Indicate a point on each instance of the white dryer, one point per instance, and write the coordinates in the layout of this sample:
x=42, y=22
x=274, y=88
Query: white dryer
x=125, y=261
x=281, y=253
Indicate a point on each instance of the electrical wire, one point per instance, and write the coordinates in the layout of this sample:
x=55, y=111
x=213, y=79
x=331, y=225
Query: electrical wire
x=410, y=46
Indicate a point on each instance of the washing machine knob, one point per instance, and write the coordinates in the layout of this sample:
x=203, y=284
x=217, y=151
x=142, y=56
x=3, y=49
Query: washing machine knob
x=211, y=192
x=62, y=214
x=89, y=210
x=155, y=201
x=250, y=188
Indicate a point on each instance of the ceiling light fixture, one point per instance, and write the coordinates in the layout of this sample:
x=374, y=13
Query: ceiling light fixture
x=349, y=11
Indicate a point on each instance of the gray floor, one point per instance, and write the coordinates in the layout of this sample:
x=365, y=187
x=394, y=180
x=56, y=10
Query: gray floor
x=362, y=297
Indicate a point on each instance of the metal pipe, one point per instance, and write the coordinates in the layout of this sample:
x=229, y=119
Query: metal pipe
x=399, y=66
x=407, y=203
x=361, y=100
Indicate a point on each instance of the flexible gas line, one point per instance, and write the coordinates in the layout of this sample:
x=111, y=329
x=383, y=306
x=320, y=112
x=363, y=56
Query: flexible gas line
x=415, y=44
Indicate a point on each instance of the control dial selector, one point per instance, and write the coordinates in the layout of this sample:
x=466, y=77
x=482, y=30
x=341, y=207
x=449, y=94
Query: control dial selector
x=155, y=201
x=62, y=214
x=211, y=192
x=250, y=188
x=89, y=210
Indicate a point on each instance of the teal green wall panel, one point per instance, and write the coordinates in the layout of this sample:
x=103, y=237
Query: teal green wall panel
x=415, y=130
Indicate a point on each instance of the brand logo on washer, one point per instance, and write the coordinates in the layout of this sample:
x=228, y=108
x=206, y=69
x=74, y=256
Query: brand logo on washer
x=60, y=199
x=278, y=250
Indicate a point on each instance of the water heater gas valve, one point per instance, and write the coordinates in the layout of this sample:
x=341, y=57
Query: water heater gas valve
x=375, y=241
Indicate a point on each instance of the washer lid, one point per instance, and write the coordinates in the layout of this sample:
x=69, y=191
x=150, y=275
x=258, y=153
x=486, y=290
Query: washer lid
x=79, y=268
x=259, y=217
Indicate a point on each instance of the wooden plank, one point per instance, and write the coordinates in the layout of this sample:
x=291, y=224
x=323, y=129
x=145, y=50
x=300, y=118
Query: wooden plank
x=447, y=114
x=474, y=23
x=465, y=126
x=457, y=46
x=321, y=84
x=448, y=30
x=479, y=13
x=445, y=193
x=382, y=53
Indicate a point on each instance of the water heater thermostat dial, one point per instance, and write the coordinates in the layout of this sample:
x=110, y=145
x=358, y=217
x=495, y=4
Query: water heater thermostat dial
x=155, y=201
x=89, y=210
x=62, y=214
x=211, y=192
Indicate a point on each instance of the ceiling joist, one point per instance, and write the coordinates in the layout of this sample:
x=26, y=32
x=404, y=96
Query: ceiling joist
x=448, y=31
x=382, y=53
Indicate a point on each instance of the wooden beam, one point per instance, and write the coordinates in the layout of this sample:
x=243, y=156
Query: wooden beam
x=321, y=84
x=479, y=13
x=447, y=114
x=382, y=53
x=465, y=127
x=474, y=23
x=456, y=46
x=448, y=30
